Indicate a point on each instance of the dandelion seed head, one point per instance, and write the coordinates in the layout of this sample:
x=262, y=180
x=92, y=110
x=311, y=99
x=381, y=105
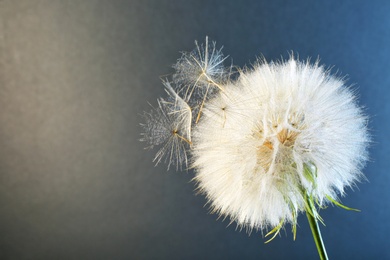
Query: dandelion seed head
x=282, y=116
x=264, y=144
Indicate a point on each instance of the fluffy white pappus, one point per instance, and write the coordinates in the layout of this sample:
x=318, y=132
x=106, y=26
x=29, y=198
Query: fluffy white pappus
x=257, y=138
x=180, y=110
x=201, y=71
x=168, y=126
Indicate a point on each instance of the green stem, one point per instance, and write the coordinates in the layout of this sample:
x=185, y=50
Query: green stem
x=315, y=229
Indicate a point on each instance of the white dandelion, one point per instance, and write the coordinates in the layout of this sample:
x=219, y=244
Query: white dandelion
x=255, y=157
x=283, y=138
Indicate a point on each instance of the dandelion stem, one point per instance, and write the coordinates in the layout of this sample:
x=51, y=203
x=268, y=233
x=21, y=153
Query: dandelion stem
x=315, y=229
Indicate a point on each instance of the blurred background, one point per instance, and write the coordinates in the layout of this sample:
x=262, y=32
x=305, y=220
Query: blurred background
x=75, y=182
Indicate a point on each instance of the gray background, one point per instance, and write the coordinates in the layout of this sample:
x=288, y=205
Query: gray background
x=75, y=182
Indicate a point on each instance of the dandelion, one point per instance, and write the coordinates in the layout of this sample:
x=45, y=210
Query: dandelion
x=283, y=138
x=294, y=132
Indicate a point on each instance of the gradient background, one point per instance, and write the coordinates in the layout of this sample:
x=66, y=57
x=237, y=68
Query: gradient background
x=75, y=182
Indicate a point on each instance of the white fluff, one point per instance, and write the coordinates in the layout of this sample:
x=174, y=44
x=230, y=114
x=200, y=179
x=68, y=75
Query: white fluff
x=264, y=144
x=254, y=138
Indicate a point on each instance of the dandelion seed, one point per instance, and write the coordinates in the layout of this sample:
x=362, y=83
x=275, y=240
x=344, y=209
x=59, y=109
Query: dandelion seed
x=201, y=71
x=179, y=109
x=200, y=74
x=165, y=129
